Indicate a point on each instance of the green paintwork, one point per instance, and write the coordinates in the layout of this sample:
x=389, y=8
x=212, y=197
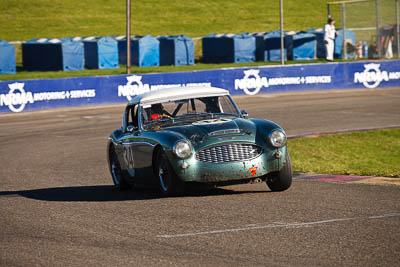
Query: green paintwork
x=252, y=131
x=136, y=150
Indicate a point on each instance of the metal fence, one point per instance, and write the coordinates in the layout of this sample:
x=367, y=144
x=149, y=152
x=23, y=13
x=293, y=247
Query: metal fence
x=375, y=24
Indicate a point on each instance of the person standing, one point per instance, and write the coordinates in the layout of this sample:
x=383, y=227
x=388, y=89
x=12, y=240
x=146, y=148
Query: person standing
x=329, y=38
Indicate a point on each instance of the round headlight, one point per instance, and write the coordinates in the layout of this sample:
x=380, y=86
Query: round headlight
x=277, y=138
x=182, y=149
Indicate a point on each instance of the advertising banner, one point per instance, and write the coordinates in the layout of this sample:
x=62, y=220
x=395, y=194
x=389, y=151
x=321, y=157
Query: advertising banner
x=25, y=95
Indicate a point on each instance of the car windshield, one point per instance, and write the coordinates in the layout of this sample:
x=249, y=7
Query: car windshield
x=187, y=111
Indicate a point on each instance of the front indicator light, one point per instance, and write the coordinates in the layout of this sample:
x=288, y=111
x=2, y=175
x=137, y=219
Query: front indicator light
x=185, y=165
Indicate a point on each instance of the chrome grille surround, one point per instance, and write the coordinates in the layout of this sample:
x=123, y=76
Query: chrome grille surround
x=229, y=152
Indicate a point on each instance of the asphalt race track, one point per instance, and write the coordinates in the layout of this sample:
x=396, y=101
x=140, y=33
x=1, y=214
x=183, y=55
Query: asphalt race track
x=58, y=208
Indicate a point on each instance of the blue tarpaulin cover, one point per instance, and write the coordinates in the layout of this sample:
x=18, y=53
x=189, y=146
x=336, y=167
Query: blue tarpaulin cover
x=7, y=58
x=53, y=54
x=339, y=43
x=304, y=46
x=228, y=48
x=100, y=52
x=319, y=35
x=260, y=45
x=121, y=40
x=273, y=46
x=176, y=50
x=145, y=50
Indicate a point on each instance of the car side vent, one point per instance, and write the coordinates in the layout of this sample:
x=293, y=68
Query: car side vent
x=231, y=152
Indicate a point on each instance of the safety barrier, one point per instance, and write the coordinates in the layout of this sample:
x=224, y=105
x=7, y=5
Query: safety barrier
x=18, y=96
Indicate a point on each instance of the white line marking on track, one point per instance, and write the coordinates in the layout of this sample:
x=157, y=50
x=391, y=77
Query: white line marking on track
x=280, y=225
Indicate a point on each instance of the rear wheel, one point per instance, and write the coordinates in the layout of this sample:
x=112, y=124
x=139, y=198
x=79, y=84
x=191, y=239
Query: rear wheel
x=281, y=180
x=168, y=183
x=116, y=171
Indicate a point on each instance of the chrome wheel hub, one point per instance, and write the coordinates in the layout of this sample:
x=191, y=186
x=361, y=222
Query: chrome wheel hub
x=114, y=171
x=161, y=176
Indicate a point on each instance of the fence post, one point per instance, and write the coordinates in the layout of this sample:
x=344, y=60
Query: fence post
x=128, y=36
x=343, y=7
x=328, y=6
x=398, y=29
x=378, y=35
x=281, y=26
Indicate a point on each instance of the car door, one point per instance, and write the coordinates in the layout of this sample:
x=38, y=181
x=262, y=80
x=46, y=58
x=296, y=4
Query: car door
x=136, y=149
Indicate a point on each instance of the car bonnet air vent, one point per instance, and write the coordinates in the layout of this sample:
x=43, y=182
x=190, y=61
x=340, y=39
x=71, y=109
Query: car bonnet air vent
x=222, y=132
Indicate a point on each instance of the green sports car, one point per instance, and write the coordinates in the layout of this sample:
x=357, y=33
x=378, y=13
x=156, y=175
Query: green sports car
x=195, y=134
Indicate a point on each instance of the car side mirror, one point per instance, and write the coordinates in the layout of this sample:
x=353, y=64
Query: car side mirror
x=244, y=114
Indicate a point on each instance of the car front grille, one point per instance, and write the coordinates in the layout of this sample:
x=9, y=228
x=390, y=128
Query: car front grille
x=231, y=152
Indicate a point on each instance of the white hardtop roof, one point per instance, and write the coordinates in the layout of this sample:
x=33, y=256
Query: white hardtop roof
x=177, y=93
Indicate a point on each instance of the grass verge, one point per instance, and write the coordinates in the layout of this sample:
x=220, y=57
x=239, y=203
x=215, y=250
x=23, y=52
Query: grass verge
x=25, y=19
x=372, y=153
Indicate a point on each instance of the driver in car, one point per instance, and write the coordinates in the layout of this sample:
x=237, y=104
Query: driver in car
x=158, y=112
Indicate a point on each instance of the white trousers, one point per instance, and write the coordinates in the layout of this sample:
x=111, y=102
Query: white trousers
x=329, y=47
x=389, y=50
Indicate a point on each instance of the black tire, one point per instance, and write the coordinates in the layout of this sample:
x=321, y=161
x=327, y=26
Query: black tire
x=281, y=180
x=116, y=172
x=168, y=183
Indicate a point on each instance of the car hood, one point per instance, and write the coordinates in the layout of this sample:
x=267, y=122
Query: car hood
x=217, y=129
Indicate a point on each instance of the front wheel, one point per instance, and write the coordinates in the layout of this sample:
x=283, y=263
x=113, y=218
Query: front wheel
x=168, y=182
x=116, y=171
x=281, y=180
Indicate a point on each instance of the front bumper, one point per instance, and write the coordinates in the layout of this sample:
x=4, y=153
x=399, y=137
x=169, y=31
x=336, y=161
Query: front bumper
x=192, y=170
